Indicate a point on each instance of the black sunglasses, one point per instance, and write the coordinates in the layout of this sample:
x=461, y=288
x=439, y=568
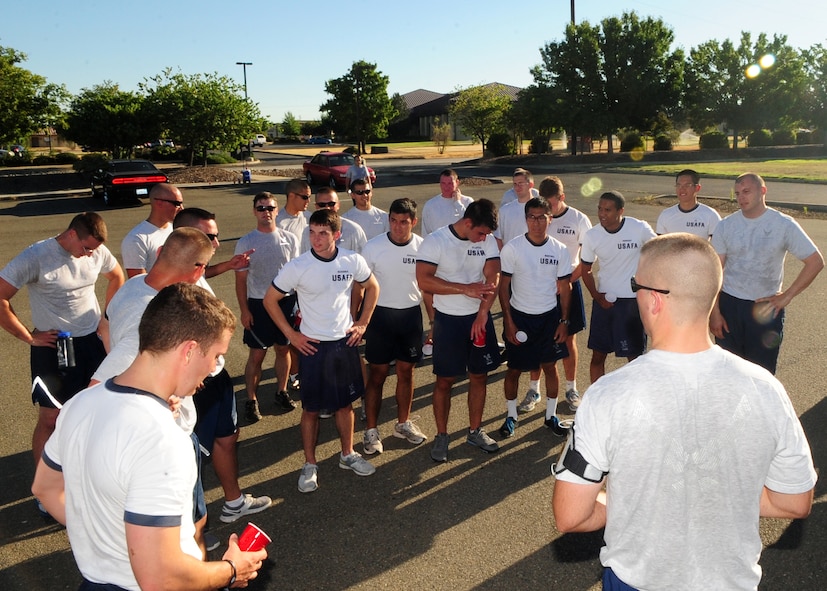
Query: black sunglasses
x=363, y=192
x=305, y=197
x=265, y=207
x=325, y=204
x=212, y=237
x=171, y=202
x=637, y=287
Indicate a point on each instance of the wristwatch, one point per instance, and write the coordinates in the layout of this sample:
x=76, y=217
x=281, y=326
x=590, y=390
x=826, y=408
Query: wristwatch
x=564, y=321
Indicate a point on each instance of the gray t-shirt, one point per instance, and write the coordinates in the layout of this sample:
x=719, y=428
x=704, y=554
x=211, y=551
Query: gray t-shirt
x=689, y=442
x=61, y=286
x=755, y=250
x=272, y=251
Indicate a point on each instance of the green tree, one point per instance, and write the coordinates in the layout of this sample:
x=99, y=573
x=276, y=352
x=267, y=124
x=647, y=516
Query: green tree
x=360, y=107
x=202, y=111
x=27, y=102
x=290, y=126
x=815, y=100
x=107, y=119
x=761, y=85
x=441, y=134
x=480, y=111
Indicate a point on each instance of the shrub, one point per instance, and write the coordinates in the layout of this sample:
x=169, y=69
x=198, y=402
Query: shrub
x=500, y=144
x=540, y=145
x=66, y=157
x=91, y=162
x=714, y=140
x=662, y=143
x=43, y=160
x=630, y=141
x=759, y=137
x=783, y=137
x=162, y=153
x=220, y=158
x=802, y=138
x=351, y=150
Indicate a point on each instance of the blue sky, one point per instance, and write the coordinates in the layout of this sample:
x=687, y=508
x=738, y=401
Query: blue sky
x=296, y=46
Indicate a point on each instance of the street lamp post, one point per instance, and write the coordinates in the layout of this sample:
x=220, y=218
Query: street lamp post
x=244, y=65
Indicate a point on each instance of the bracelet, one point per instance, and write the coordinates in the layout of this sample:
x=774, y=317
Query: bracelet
x=232, y=578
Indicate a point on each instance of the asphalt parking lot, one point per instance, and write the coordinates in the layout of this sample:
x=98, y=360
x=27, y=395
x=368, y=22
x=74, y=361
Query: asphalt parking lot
x=476, y=522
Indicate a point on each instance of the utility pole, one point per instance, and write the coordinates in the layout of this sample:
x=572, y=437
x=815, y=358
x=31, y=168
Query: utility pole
x=245, y=64
x=572, y=11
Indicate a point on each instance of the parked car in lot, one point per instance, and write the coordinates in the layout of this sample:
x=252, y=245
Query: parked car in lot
x=161, y=143
x=259, y=140
x=330, y=168
x=125, y=180
x=320, y=140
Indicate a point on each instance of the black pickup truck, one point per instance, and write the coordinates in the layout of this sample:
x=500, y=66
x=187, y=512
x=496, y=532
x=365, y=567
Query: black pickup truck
x=125, y=180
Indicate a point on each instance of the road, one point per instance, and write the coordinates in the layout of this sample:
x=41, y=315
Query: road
x=476, y=522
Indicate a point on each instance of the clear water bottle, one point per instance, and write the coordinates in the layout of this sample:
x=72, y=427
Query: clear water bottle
x=65, y=350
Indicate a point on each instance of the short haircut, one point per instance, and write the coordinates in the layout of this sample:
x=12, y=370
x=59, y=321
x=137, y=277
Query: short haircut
x=190, y=217
x=482, y=213
x=537, y=203
x=449, y=172
x=696, y=178
x=182, y=312
x=688, y=267
x=356, y=182
x=185, y=248
x=265, y=196
x=326, y=217
x=326, y=191
x=755, y=178
x=523, y=173
x=403, y=206
x=551, y=186
x=88, y=224
x=615, y=197
x=296, y=186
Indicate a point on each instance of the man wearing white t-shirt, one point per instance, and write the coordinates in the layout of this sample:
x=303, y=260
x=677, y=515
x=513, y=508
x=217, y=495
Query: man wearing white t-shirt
x=447, y=207
x=714, y=443
x=460, y=265
x=291, y=217
x=753, y=243
x=616, y=243
x=139, y=248
x=118, y=471
x=522, y=181
x=330, y=372
x=688, y=215
x=395, y=330
x=370, y=218
x=536, y=270
x=511, y=220
x=351, y=237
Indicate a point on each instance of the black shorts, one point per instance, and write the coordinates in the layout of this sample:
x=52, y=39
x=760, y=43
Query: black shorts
x=265, y=333
x=331, y=378
x=455, y=354
x=215, y=404
x=618, y=330
x=394, y=334
x=53, y=386
x=750, y=337
x=577, y=309
x=540, y=347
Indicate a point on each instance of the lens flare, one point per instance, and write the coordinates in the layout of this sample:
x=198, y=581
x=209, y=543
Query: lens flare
x=763, y=312
x=753, y=71
x=590, y=187
x=767, y=61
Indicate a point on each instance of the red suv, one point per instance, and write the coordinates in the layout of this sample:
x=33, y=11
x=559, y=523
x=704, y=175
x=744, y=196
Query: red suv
x=330, y=168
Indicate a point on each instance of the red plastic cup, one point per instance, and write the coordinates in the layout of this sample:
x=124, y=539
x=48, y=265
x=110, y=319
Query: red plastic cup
x=480, y=340
x=253, y=539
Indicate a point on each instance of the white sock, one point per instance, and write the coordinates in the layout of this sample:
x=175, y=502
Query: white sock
x=237, y=503
x=511, y=405
x=551, y=407
x=534, y=385
x=294, y=376
x=571, y=385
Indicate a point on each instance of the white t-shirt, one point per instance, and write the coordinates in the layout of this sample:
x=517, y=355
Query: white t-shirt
x=123, y=460
x=689, y=441
x=457, y=260
x=569, y=228
x=701, y=220
x=394, y=266
x=534, y=270
x=373, y=222
x=61, y=286
x=272, y=251
x=139, y=248
x=755, y=250
x=441, y=211
x=511, y=222
x=511, y=195
x=323, y=287
x=352, y=238
x=295, y=224
x=618, y=252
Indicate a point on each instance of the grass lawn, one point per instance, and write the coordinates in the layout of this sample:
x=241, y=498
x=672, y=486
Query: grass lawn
x=799, y=170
